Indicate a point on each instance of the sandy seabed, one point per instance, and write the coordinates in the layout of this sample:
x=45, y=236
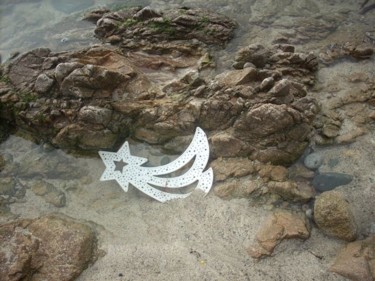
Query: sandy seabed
x=206, y=238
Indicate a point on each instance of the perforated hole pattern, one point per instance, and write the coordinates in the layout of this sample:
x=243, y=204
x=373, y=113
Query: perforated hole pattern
x=141, y=177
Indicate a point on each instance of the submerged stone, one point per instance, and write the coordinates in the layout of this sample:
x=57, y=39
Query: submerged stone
x=328, y=181
x=152, y=87
x=333, y=215
x=361, y=257
x=278, y=226
x=52, y=247
x=313, y=161
x=50, y=193
x=7, y=186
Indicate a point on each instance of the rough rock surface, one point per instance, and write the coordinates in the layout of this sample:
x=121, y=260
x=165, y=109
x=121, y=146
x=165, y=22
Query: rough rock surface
x=232, y=168
x=241, y=177
x=347, y=110
x=292, y=191
x=82, y=108
x=333, y=215
x=132, y=25
x=339, y=51
x=48, y=248
x=50, y=193
x=278, y=226
x=356, y=261
x=236, y=188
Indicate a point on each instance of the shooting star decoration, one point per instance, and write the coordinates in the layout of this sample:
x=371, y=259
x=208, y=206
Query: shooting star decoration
x=127, y=169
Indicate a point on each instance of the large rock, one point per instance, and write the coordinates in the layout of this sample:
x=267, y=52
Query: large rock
x=137, y=24
x=153, y=89
x=48, y=248
x=356, y=261
x=280, y=131
x=333, y=215
x=277, y=227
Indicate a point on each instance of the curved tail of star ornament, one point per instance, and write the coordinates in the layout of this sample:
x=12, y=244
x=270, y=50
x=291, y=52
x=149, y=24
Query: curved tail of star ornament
x=154, y=181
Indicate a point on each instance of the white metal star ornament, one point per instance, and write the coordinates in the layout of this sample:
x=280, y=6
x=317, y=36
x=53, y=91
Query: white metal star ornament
x=127, y=169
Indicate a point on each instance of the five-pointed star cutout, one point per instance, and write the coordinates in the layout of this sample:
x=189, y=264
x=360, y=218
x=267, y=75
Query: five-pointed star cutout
x=117, y=163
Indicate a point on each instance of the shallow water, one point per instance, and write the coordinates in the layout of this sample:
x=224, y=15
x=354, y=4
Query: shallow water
x=147, y=240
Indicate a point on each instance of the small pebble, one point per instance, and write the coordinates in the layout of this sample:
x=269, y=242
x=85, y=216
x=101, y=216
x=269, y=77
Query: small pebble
x=47, y=147
x=64, y=40
x=309, y=213
x=267, y=84
x=165, y=160
x=313, y=161
x=328, y=181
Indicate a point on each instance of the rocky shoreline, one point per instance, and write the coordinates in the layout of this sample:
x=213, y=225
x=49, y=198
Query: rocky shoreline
x=153, y=80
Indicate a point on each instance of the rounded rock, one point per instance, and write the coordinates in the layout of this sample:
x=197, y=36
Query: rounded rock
x=327, y=181
x=267, y=83
x=313, y=161
x=333, y=215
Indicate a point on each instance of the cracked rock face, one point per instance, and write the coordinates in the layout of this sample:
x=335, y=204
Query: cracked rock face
x=135, y=24
x=158, y=91
x=92, y=99
x=53, y=247
x=279, y=226
x=360, y=255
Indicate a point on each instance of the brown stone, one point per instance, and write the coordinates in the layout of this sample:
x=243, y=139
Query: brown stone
x=286, y=48
x=99, y=96
x=140, y=25
x=331, y=130
x=281, y=88
x=96, y=14
x=91, y=81
x=333, y=215
x=236, y=188
x=299, y=171
x=277, y=227
x=95, y=115
x=77, y=136
x=362, y=52
x=27, y=67
x=292, y=191
x=237, y=77
x=260, y=121
x=267, y=83
x=356, y=261
x=49, y=192
x=43, y=83
x=274, y=173
x=226, y=145
x=49, y=248
x=114, y=39
x=225, y=168
x=350, y=136
x=254, y=53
